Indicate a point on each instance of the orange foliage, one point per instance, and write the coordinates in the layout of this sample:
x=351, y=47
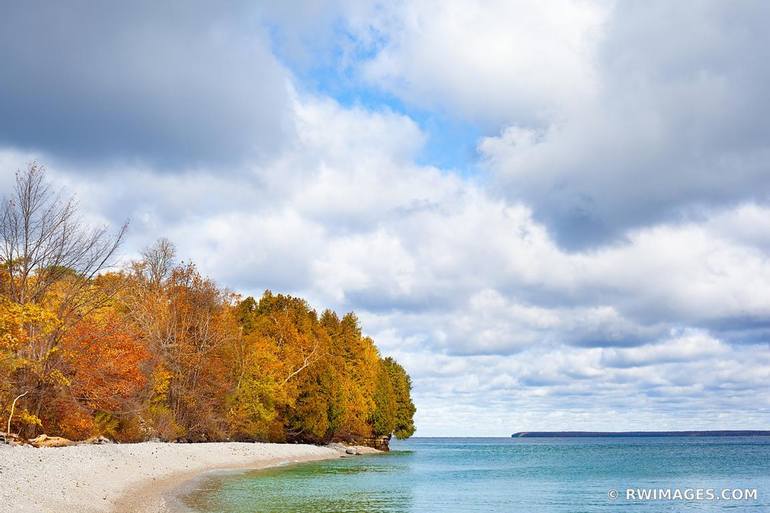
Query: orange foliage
x=105, y=357
x=159, y=350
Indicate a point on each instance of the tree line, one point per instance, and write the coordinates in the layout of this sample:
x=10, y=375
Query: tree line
x=156, y=350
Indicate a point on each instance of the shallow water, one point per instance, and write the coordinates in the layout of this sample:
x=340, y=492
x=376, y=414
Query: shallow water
x=561, y=475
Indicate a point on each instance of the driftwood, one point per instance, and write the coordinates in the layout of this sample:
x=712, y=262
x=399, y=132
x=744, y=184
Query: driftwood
x=50, y=441
x=96, y=440
x=13, y=439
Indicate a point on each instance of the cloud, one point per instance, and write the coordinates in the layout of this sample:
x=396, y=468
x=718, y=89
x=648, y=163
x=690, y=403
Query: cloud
x=610, y=257
x=491, y=317
x=484, y=60
x=175, y=85
x=678, y=126
x=602, y=117
x=473, y=294
x=688, y=346
x=569, y=388
x=433, y=256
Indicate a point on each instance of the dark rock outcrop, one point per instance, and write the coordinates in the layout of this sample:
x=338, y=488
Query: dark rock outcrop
x=381, y=443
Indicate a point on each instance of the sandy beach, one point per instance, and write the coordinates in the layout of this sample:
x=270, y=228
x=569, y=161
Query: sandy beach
x=123, y=478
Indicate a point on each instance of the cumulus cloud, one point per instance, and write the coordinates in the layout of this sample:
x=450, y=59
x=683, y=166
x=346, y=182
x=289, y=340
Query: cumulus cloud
x=678, y=126
x=613, y=259
x=485, y=60
x=602, y=117
x=473, y=294
x=575, y=388
x=683, y=348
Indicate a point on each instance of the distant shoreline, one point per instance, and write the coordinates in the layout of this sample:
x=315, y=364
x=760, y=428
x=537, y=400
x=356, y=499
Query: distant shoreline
x=634, y=434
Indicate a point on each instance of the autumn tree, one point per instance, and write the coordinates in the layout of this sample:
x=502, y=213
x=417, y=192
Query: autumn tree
x=403, y=407
x=159, y=350
x=103, y=357
x=357, y=359
x=286, y=347
x=384, y=415
x=187, y=323
x=257, y=393
x=49, y=260
x=319, y=379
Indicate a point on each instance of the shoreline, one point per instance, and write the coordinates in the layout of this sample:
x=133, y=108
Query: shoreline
x=144, y=477
x=165, y=495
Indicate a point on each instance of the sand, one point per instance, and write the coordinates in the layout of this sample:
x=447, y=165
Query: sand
x=123, y=478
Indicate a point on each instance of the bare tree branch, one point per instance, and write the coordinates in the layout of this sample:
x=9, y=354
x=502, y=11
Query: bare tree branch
x=10, y=416
x=42, y=242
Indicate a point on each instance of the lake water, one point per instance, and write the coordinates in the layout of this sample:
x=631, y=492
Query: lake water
x=491, y=475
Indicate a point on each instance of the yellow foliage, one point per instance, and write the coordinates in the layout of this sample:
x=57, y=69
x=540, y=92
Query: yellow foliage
x=27, y=418
x=20, y=322
x=161, y=384
x=56, y=377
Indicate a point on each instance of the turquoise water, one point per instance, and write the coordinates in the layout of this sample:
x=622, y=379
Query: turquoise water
x=563, y=475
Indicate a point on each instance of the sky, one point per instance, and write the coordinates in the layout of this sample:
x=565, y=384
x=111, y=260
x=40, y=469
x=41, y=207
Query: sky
x=555, y=214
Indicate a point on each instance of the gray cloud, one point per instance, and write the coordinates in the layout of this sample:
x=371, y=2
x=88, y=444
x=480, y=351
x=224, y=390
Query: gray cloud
x=470, y=287
x=611, y=117
x=173, y=84
x=679, y=124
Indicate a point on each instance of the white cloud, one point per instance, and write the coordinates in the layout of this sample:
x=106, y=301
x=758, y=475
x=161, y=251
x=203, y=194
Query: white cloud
x=601, y=116
x=678, y=124
x=492, y=62
x=474, y=296
x=471, y=287
x=689, y=346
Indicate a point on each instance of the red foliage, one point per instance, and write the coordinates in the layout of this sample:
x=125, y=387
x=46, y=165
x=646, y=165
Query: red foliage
x=105, y=357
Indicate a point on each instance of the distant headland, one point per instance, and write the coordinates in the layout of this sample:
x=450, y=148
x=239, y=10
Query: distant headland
x=634, y=434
